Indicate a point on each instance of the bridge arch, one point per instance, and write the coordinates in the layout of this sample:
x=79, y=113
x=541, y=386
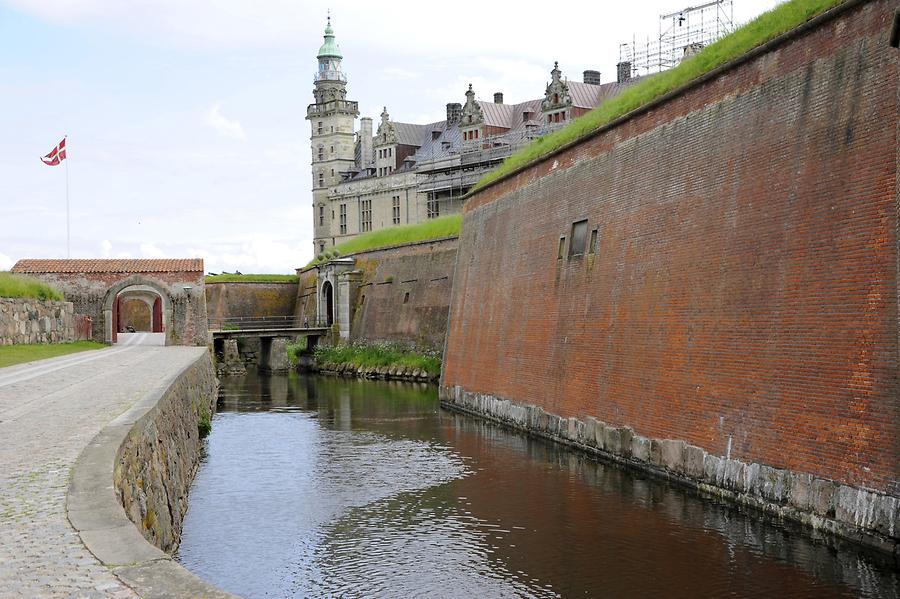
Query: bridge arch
x=140, y=288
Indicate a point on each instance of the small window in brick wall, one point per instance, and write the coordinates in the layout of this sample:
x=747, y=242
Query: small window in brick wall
x=592, y=247
x=406, y=297
x=562, y=248
x=579, y=238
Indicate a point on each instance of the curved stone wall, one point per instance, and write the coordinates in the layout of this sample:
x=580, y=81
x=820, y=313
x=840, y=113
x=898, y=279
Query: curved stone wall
x=129, y=487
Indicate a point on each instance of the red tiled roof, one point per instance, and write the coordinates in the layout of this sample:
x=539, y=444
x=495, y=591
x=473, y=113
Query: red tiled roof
x=114, y=265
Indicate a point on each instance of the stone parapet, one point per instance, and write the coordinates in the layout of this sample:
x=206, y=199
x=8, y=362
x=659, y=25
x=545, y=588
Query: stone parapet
x=36, y=321
x=860, y=515
x=129, y=487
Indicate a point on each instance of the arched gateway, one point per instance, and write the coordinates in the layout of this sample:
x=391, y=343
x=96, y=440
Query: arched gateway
x=161, y=296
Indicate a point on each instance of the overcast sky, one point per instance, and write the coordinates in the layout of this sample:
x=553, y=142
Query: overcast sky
x=186, y=121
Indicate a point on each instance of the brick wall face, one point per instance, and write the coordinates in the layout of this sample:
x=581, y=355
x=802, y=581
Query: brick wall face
x=224, y=300
x=744, y=288
x=382, y=310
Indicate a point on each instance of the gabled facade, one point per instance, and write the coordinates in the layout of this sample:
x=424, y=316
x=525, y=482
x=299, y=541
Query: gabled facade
x=406, y=173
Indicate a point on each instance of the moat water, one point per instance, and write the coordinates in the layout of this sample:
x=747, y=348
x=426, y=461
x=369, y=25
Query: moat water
x=321, y=487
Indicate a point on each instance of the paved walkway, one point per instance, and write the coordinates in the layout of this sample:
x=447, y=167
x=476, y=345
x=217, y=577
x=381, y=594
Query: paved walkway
x=49, y=411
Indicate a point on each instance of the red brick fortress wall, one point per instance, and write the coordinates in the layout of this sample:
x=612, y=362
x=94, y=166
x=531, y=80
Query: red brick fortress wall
x=743, y=293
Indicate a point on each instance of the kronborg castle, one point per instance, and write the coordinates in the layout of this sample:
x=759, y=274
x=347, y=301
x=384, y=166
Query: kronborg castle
x=406, y=173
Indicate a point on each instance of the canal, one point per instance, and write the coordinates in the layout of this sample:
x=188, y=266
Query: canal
x=322, y=487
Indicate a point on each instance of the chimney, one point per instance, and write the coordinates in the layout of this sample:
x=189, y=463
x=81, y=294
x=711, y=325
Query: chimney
x=365, y=142
x=592, y=77
x=623, y=71
x=498, y=97
x=454, y=112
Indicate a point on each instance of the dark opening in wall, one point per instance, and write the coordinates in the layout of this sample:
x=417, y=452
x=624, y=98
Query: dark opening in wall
x=362, y=299
x=406, y=297
x=562, y=248
x=592, y=247
x=579, y=238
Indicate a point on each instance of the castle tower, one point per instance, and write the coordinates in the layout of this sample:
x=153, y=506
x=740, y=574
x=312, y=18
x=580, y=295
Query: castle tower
x=332, y=119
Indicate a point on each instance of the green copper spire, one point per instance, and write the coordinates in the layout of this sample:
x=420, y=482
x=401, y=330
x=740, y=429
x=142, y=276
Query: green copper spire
x=329, y=49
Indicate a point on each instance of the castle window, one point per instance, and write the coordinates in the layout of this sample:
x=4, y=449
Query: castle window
x=592, y=246
x=319, y=128
x=406, y=297
x=332, y=149
x=579, y=237
x=321, y=246
x=321, y=153
x=321, y=179
x=476, y=133
x=366, y=215
x=321, y=216
x=395, y=209
x=433, y=207
x=332, y=172
x=561, y=250
x=343, y=222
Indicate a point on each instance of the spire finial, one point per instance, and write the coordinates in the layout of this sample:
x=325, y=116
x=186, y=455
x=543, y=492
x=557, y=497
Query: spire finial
x=328, y=12
x=555, y=64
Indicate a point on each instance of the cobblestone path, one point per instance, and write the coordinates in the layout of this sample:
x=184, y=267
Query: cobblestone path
x=49, y=411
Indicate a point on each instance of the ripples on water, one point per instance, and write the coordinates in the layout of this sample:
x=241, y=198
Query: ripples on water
x=318, y=487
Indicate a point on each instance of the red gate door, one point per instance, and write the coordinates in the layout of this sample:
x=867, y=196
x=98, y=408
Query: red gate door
x=115, y=320
x=156, y=325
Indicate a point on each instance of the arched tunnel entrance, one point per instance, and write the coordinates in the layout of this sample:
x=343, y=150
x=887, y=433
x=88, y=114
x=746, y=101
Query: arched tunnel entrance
x=139, y=315
x=328, y=298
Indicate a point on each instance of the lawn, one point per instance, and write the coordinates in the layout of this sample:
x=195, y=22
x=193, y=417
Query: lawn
x=445, y=226
x=250, y=278
x=19, y=286
x=765, y=27
x=17, y=354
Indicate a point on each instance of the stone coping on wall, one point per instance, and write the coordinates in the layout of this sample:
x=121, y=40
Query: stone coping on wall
x=94, y=510
x=865, y=517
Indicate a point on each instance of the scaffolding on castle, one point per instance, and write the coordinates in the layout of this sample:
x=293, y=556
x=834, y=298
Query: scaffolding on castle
x=681, y=33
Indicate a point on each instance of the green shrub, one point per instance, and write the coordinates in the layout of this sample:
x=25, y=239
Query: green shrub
x=204, y=421
x=22, y=286
x=295, y=349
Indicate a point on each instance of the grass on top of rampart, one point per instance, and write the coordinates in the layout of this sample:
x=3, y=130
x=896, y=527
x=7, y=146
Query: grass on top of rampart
x=250, y=278
x=445, y=226
x=21, y=286
x=765, y=27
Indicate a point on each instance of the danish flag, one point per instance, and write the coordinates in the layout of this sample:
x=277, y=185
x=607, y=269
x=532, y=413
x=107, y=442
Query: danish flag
x=56, y=155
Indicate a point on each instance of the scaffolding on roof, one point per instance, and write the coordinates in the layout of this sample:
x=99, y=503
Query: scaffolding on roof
x=681, y=33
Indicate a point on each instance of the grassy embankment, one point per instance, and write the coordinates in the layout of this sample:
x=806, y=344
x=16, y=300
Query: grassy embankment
x=369, y=356
x=378, y=355
x=18, y=286
x=250, y=278
x=765, y=27
x=445, y=226
x=17, y=354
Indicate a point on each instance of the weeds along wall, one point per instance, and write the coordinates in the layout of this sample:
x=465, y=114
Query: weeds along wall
x=741, y=291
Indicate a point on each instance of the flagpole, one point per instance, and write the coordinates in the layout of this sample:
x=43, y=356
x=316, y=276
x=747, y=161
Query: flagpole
x=68, y=236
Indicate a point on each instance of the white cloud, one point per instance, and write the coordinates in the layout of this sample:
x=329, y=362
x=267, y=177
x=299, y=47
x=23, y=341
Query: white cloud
x=5, y=262
x=224, y=125
x=148, y=250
